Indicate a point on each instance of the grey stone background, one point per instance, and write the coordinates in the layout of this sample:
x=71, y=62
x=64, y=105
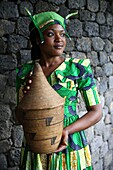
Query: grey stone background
x=92, y=37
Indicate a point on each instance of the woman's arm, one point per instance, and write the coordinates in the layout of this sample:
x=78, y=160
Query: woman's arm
x=93, y=115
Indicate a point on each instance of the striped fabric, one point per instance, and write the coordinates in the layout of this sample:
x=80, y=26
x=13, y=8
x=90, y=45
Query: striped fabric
x=71, y=76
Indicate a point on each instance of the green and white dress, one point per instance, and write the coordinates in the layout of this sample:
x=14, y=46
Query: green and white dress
x=71, y=76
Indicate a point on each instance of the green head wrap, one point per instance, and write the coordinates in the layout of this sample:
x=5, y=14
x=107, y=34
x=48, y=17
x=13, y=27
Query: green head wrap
x=43, y=20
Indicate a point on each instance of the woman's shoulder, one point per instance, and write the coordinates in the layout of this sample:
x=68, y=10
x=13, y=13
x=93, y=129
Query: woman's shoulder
x=85, y=61
x=74, y=68
x=76, y=64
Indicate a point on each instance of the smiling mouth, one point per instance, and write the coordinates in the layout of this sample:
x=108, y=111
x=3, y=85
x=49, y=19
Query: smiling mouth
x=58, y=46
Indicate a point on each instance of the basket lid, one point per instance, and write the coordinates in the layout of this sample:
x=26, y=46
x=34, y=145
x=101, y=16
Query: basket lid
x=41, y=95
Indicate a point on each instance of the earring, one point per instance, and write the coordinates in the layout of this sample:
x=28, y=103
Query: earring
x=42, y=42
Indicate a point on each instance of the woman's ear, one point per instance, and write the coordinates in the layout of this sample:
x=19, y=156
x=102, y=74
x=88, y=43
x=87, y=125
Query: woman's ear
x=38, y=41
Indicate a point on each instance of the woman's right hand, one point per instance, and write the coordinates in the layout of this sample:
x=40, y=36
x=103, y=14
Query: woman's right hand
x=28, y=83
x=64, y=141
x=25, y=89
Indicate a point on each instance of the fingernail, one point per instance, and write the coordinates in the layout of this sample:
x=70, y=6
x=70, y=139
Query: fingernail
x=66, y=143
x=28, y=87
x=30, y=81
x=31, y=73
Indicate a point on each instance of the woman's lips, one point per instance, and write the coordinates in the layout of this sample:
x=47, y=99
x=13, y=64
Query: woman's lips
x=58, y=46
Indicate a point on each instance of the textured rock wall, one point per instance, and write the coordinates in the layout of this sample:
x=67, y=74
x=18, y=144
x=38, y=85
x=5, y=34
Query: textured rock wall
x=92, y=37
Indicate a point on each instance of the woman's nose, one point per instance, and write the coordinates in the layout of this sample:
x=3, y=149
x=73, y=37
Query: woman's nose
x=58, y=37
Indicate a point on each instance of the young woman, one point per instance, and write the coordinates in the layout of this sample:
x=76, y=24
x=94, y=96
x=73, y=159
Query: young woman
x=67, y=76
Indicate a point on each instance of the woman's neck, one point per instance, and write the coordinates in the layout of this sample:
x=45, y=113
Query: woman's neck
x=50, y=64
x=51, y=61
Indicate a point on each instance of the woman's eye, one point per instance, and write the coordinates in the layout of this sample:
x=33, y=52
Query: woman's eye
x=63, y=35
x=50, y=34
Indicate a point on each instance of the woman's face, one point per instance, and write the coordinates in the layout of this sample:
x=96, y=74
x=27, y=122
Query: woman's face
x=54, y=41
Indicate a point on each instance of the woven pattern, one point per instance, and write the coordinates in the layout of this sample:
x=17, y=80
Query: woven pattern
x=42, y=117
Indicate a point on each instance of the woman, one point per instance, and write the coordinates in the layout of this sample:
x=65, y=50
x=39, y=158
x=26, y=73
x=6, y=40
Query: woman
x=67, y=76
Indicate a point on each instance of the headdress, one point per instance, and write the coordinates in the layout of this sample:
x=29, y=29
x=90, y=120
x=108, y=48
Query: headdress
x=44, y=19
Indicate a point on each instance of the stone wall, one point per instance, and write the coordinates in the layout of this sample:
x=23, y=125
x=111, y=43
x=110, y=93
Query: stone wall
x=92, y=37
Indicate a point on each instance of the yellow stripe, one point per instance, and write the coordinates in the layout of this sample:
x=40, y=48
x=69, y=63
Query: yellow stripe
x=87, y=156
x=97, y=95
x=57, y=162
x=73, y=160
x=71, y=84
x=90, y=97
x=63, y=162
x=82, y=159
x=28, y=162
x=39, y=164
x=41, y=26
x=76, y=60
x=86, y=62
x=53, y=79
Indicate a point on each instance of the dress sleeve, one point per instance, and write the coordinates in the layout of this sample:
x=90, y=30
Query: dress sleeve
x=21, y=73
x=87, y=85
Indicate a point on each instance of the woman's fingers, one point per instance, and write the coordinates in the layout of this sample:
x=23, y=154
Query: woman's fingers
x=28, y=83
x=26, y=89
x=60, y=148
x=65, y=143
x=30, y=74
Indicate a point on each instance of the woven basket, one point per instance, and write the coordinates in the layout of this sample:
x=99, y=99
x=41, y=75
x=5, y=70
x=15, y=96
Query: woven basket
x=42, y=115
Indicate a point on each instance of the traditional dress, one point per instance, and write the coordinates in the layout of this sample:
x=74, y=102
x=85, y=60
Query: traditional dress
x=71, y=76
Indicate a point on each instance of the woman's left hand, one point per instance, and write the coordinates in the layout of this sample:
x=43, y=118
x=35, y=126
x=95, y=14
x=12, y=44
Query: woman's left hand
x=63, y=143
